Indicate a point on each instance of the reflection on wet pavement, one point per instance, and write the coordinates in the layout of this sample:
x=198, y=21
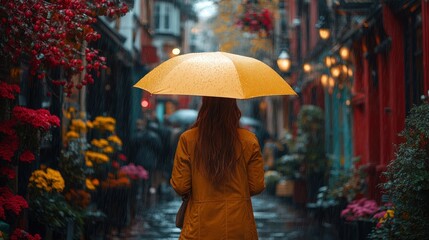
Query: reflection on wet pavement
x=275, y=219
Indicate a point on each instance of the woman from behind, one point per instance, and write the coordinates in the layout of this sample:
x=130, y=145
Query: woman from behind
x=220, y=166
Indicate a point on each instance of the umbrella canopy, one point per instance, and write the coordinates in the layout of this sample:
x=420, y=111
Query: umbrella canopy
x=216, y=74
x=183, y=116
x=248, y=121
x=189, y=116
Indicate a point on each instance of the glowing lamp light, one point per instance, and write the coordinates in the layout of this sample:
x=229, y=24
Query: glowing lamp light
x=324, y=33
x=306, y=67
x=175, y=51
x=145, y=103
x=324, y=80
x=344, y=53
x=345, y=69
x=348, y=102
x=283, y=61
x=328, y=62
x=331, y=82
x=335, y=71
x=333, y=60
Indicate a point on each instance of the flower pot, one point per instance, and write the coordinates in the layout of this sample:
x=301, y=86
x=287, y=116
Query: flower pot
x=285, y=188
x=364, y=228
x=350, y=231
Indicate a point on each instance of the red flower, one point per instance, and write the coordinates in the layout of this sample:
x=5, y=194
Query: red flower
x=40, y=118
x=122, y=157
x=27, y=156
x=7, y=127
x=8, y=90
x=7, y=171
x=115, y=164
x=8, y=146
x=20, y=234
x=9, y=201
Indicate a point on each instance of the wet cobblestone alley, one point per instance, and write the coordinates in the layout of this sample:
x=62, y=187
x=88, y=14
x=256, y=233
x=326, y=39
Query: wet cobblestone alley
x=275, y=219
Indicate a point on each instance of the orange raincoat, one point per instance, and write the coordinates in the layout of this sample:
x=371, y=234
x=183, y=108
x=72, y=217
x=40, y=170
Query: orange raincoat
x=224, y=212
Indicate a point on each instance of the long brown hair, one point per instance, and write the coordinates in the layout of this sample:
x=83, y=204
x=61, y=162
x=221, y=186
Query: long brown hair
x=218, y=122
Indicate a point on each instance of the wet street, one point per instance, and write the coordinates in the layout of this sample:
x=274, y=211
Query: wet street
x=275, y=219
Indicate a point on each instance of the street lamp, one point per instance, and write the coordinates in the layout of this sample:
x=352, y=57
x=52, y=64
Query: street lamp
x=323, y=26
x=175, y=51
x=324, y=79
x=307, y=67
x=344, y=53
x=283, y=61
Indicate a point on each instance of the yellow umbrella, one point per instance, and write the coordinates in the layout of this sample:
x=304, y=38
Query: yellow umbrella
x=215, y=74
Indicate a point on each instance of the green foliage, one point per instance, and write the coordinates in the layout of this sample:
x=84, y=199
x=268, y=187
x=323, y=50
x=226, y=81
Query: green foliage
x=51, y=209
x=310, y=141
x=408, y=181
x=288, y=165
x=72, y=166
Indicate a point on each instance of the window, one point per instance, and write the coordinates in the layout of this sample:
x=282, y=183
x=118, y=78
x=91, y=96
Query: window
x=413, y=60
x=157, y=16
x=167, y=18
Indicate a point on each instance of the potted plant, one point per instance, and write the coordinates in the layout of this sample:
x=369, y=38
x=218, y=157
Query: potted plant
x=310, y=145
x=407, y=184
x=271, y=179
x=358, y=216
x=47, y=205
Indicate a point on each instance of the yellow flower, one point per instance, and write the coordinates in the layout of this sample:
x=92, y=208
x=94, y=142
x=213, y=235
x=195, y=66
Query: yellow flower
x=110, y=128
x=78, y=125
x=100, y=143
x=89, y=124
x=89, y=184
x=108, y=149
x=88, y=163
x=96, y=157
x=390, y=213
x=105, y=123
x=47, y=181
x=115, y=139
x=72, y=134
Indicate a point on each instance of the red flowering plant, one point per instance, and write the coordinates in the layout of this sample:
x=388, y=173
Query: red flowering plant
x=21, y=130
x=20, y=234
x=55, y=33
x=256, y=20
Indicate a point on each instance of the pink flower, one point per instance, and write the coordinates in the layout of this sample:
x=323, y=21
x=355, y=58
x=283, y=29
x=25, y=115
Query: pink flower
x=361, y=208
x=135, y=172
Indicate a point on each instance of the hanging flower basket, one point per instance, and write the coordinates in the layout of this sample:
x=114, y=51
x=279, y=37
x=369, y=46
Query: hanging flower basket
x=256, y=20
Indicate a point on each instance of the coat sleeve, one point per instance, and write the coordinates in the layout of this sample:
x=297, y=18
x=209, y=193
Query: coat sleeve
x=181, y=179
x=255, y=171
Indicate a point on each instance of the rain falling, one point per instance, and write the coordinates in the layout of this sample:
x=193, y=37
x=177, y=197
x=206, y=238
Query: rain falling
x=260, y=119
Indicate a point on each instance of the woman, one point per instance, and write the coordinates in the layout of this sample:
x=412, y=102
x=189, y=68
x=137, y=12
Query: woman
x=221, y=167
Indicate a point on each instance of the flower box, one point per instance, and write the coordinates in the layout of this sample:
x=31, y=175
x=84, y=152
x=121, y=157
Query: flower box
x=285, y=188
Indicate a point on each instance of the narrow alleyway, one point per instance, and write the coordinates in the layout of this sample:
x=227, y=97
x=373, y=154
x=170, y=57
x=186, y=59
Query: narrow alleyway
x=275, y=219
